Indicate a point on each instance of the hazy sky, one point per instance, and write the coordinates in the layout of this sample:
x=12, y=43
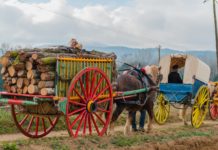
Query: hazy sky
x=178, y=24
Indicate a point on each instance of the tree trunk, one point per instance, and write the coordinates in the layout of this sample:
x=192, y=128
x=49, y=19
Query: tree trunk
x=32, y=74
x=47, y=60
x=26, y=81
x=5, y=61
x=47, y=91
x=14, y=89
x=19, y=66
x=11, y=71
x=34, y=81
x=46, y=84
x=25, y=90
x=20, y=82
x=29, y=65
x=3, y=70
x=21, y=73
x=33, y=89
x=45, y=68
x=14, y=80
x=215, y=25
x=19, y=91
x=47, y=76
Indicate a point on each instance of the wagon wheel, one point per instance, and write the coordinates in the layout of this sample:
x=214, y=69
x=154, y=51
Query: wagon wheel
x=161, y=109
x=200, y=107
x=33, y=126
x=90, y=101
x=213, y=111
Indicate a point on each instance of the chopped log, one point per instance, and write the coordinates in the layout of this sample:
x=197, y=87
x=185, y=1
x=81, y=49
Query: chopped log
x=11, y=71
x=47, y=91
x=24, y=56
x=3, y=70
x=26, y=81
x=31, y=60
x=45, y=68
x=20, y=82
x=14, y=89
x=19, y=66
x=36, y=56
x=33, y=89
x=29, y=65
x=21, y=73
x=46, y=84
x=14, y=80
x=34, y=81
x=19, y=91
x=25, y=90
x=7, y=87
x=47, y=60
x=32, y=74
x=6, y=75
x=5, y=61
x=47, y=76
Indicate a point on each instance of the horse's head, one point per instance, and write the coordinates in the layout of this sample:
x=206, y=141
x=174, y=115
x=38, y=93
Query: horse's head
x=153, y=71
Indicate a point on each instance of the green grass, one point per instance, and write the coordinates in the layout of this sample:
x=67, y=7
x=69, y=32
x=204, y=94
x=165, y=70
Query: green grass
x=9, y=146
x=6, y=122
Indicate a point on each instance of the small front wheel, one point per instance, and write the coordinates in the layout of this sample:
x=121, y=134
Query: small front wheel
x=200, y=107
x=161, y=109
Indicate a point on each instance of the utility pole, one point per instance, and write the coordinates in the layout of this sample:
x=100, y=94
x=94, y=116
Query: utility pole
x=215, y=26
x=159, y=48
x=216, y=36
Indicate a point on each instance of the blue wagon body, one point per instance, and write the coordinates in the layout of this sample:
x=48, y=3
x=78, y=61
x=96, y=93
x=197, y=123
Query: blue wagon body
x=180, y=92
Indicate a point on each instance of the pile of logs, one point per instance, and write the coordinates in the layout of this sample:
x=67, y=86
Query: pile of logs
x=32, y=71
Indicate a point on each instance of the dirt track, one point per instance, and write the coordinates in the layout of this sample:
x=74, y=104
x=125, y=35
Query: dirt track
x=64, y=133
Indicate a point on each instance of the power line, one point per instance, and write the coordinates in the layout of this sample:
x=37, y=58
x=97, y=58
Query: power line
x=71, y=18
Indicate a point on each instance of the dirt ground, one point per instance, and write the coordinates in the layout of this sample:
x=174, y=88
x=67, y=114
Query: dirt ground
x=171, y=136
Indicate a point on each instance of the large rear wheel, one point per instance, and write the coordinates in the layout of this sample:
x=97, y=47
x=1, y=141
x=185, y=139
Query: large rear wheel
x=33, y=125
x=89, y=104
x=200, y=107
x=161, y=109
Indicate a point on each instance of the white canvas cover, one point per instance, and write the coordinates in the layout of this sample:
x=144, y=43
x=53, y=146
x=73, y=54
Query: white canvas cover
x=193, y=67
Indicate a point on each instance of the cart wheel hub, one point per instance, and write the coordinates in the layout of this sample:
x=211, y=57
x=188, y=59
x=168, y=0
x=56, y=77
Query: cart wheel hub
x=91, y=106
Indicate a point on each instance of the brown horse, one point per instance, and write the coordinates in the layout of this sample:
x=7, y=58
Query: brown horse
x=130, y=81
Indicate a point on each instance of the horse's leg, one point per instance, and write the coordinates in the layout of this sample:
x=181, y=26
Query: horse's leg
x=183, y=114
x=118, y=110
x=128, y=123
x=150, y=111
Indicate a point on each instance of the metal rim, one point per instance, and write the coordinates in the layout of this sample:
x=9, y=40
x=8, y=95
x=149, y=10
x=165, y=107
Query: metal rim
x=92, y=113
x=161, y=109
x=33, y=126
x=200, y=107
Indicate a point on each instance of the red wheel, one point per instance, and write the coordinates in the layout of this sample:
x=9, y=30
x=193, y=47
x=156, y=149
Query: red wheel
x=89, y=104
x=213, y=111
x=33, y=126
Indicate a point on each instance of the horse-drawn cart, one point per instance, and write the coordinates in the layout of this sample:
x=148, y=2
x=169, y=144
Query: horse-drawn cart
x=192, y=92
x=83, y=92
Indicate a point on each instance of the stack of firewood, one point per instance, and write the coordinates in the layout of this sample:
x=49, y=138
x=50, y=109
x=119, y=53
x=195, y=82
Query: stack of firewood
x=32, y=71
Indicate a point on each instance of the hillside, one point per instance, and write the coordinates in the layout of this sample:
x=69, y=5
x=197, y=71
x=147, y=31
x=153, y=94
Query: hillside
x=150, y=55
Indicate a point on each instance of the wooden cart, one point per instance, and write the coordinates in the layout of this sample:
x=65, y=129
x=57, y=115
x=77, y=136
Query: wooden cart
x=193, y=92
x=83, y=95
